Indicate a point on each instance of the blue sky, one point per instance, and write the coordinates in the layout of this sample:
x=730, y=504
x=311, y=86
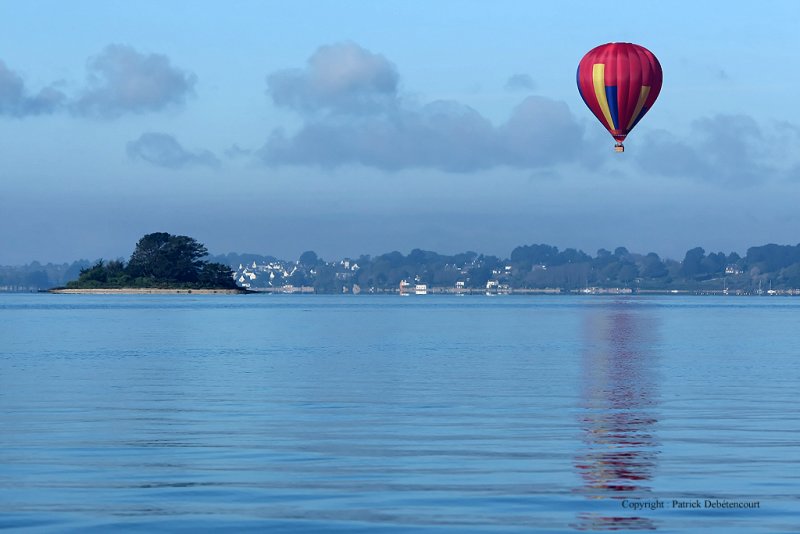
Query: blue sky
x=365, y=127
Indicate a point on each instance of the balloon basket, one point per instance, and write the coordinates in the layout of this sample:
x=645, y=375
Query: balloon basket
x=619, y=147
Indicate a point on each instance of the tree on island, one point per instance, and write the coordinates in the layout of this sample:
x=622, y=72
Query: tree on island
x=160, y=260
x=167, y=257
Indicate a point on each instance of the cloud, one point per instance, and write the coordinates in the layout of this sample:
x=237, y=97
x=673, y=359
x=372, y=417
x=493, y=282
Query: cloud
x=16, y=102
x=728, y=149
x=340, y=77
x=235, y=151
x=353, y=114
x=407, y=138
x=520, y=82
x=163, y=150
x=443, y=135
x=122, y=80
x=539, y=132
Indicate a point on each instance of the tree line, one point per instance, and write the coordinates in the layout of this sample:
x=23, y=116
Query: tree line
x=541, y=266
x=164, y=260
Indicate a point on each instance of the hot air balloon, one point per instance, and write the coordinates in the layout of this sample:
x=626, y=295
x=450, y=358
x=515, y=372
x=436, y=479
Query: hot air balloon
x=619, y=83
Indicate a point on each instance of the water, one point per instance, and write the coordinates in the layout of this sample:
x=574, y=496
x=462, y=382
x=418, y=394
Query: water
x=389, y=414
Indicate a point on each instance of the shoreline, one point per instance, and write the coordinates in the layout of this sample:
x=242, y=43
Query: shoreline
x=596, y=292
x=147, y=291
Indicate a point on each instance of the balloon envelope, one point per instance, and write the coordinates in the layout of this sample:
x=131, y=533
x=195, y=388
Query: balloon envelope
x=619, y=83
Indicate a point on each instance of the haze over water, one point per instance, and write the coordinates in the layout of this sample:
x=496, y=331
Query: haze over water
x=381, y=413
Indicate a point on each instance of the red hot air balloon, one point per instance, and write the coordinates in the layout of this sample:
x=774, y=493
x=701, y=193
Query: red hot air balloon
x=619, y=82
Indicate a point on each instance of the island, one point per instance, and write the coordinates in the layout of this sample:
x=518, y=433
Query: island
x=160, y=263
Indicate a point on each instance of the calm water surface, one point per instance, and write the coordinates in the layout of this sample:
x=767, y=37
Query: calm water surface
x=389, y=414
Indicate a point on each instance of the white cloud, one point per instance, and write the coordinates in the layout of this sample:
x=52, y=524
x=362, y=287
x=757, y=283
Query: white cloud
x=340, y=77
x=122, y=80
x=353, y=114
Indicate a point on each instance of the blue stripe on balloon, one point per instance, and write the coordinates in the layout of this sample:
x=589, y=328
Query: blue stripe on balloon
x=611, y=96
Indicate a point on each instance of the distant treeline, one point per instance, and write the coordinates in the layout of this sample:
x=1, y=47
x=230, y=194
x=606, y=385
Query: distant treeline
x=545, y=266
x=529, y=266
x=35, y=275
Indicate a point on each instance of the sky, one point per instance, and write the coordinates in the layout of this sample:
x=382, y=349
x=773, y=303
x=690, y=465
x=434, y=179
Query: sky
x=354, y=128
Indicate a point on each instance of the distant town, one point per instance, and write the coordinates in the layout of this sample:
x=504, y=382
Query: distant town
x=530, y=269
x=535, y=269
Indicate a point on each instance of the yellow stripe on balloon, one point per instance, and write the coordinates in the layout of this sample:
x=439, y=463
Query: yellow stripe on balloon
x=644, y=92
x=599, y=82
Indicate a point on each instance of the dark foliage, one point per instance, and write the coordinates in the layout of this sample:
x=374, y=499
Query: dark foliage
x=160, y=260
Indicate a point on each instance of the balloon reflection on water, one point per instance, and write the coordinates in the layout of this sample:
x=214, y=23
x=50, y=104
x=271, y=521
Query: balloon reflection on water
x=618, y=412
